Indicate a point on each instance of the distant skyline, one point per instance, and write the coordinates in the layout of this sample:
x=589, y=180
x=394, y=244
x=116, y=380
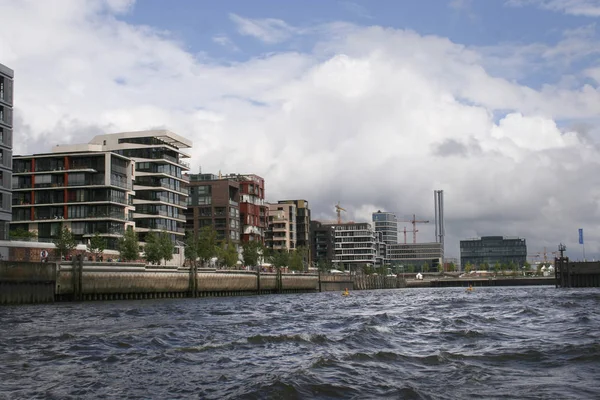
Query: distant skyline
x=372, y=104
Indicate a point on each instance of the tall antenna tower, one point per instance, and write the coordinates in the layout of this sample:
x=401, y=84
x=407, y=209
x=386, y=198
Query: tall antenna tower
x=438, y=201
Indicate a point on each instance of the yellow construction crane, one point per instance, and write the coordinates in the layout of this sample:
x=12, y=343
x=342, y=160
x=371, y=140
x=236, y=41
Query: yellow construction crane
x=338, y=210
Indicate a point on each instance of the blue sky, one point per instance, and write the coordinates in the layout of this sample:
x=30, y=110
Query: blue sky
x=474, y=23
x=477, y=22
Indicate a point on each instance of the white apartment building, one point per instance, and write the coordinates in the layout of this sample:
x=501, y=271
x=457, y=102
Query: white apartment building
x=160, y=196
x=356, y=245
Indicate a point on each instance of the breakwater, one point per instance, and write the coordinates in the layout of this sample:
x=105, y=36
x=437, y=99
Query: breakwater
x=577, y=274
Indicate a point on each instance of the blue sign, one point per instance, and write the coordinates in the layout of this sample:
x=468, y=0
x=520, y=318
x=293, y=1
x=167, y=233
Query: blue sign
x=580, y=236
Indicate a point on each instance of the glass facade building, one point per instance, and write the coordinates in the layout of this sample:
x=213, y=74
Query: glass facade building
x=387, y=224
x=6, y=142
x=493, y=249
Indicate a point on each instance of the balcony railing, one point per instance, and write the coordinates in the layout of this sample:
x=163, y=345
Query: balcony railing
x=121, y=184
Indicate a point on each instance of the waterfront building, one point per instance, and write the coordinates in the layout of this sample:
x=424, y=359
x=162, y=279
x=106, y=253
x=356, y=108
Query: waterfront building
x=86, y=191
x=322, y=245
x=254, y=212
x=214, y=200
x=160, y=192
x=281, y=231
x=415, y=254
x=6, y=142
x=493, y=249
x=302, y=225
x=355, y=246
x=387, y=224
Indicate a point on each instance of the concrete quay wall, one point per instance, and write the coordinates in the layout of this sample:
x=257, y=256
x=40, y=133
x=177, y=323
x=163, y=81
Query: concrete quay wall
x=25, y=282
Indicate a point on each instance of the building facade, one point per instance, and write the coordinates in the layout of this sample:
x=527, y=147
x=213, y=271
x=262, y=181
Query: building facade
x=6, y=142
x=355, y=246
x=302, y=222
x=214, y=201
x=387, y=224
x=88, y=192
x=493, y=249
x=415, y=254
x=160, y=193
x=254, y=212
x=322, y=246
x=282, y=229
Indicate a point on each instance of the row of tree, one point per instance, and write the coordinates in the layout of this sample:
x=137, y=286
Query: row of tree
x=158, y=246
x=497, y=267
x=199, y=250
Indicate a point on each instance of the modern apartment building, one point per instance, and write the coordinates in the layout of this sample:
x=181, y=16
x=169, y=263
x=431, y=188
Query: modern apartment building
x=6, y=142
x=160, y=192
x=254, y=212
x=387, y=224
x=302, y=225
x=493, y=249
x=214, y=200
x=322, y=238
x=355, y=245
x=282, y=229
x=415, y=254
x=86, y=191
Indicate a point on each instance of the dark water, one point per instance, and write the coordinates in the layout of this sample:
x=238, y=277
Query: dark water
x=415, y=344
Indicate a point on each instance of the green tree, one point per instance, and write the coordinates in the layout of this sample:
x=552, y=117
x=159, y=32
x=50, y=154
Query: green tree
x=426, y=267
x=484, y=266
x=296, y=260
x=64, y=242
x=152, y=251
x=411, y=269
x=190, y=251
x=129, y=248
x=468, y=267
x=440, y=268
x=451, y=267
x=97, y=245
x=165, y=247
x=503, y=267
x=22, y=234
x=207, y=244
x=252, y=251
x=228, y=255
x=497, y=267
x=279, y=258
x=527, y=266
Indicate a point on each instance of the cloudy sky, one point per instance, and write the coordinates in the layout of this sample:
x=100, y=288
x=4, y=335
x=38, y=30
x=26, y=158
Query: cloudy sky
x=372, y=104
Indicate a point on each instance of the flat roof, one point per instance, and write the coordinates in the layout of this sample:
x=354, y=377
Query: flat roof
x=7, y=71
x=166, y=136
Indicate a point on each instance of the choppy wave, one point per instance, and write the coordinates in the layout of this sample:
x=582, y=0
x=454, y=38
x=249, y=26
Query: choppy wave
x=526, y=343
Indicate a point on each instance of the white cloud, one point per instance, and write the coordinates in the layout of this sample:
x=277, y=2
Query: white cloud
x=374, y=118
x=588, y=8
x=225, y=41
x=269, y=30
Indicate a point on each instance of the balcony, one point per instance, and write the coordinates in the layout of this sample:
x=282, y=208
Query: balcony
x=122, y=184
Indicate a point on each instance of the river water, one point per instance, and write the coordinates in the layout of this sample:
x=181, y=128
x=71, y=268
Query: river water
x=538, y=343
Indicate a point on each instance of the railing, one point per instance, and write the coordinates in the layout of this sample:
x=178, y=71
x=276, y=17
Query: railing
x=184, y=164
x=121, y=184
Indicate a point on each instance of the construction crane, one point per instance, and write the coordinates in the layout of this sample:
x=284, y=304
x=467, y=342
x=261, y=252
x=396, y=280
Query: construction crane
x=338, y=210
x=545, y=255
x=408, y=231
x=414, y=223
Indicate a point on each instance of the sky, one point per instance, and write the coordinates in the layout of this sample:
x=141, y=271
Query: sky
x=370, y=104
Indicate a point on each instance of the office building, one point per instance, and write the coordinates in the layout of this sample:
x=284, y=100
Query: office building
x=160, y=192
x=214, y=200
x=282, y=228
x=87, y=191
x=489, y=250
x=387, y=224
x=415, y=254
x=6, y=142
